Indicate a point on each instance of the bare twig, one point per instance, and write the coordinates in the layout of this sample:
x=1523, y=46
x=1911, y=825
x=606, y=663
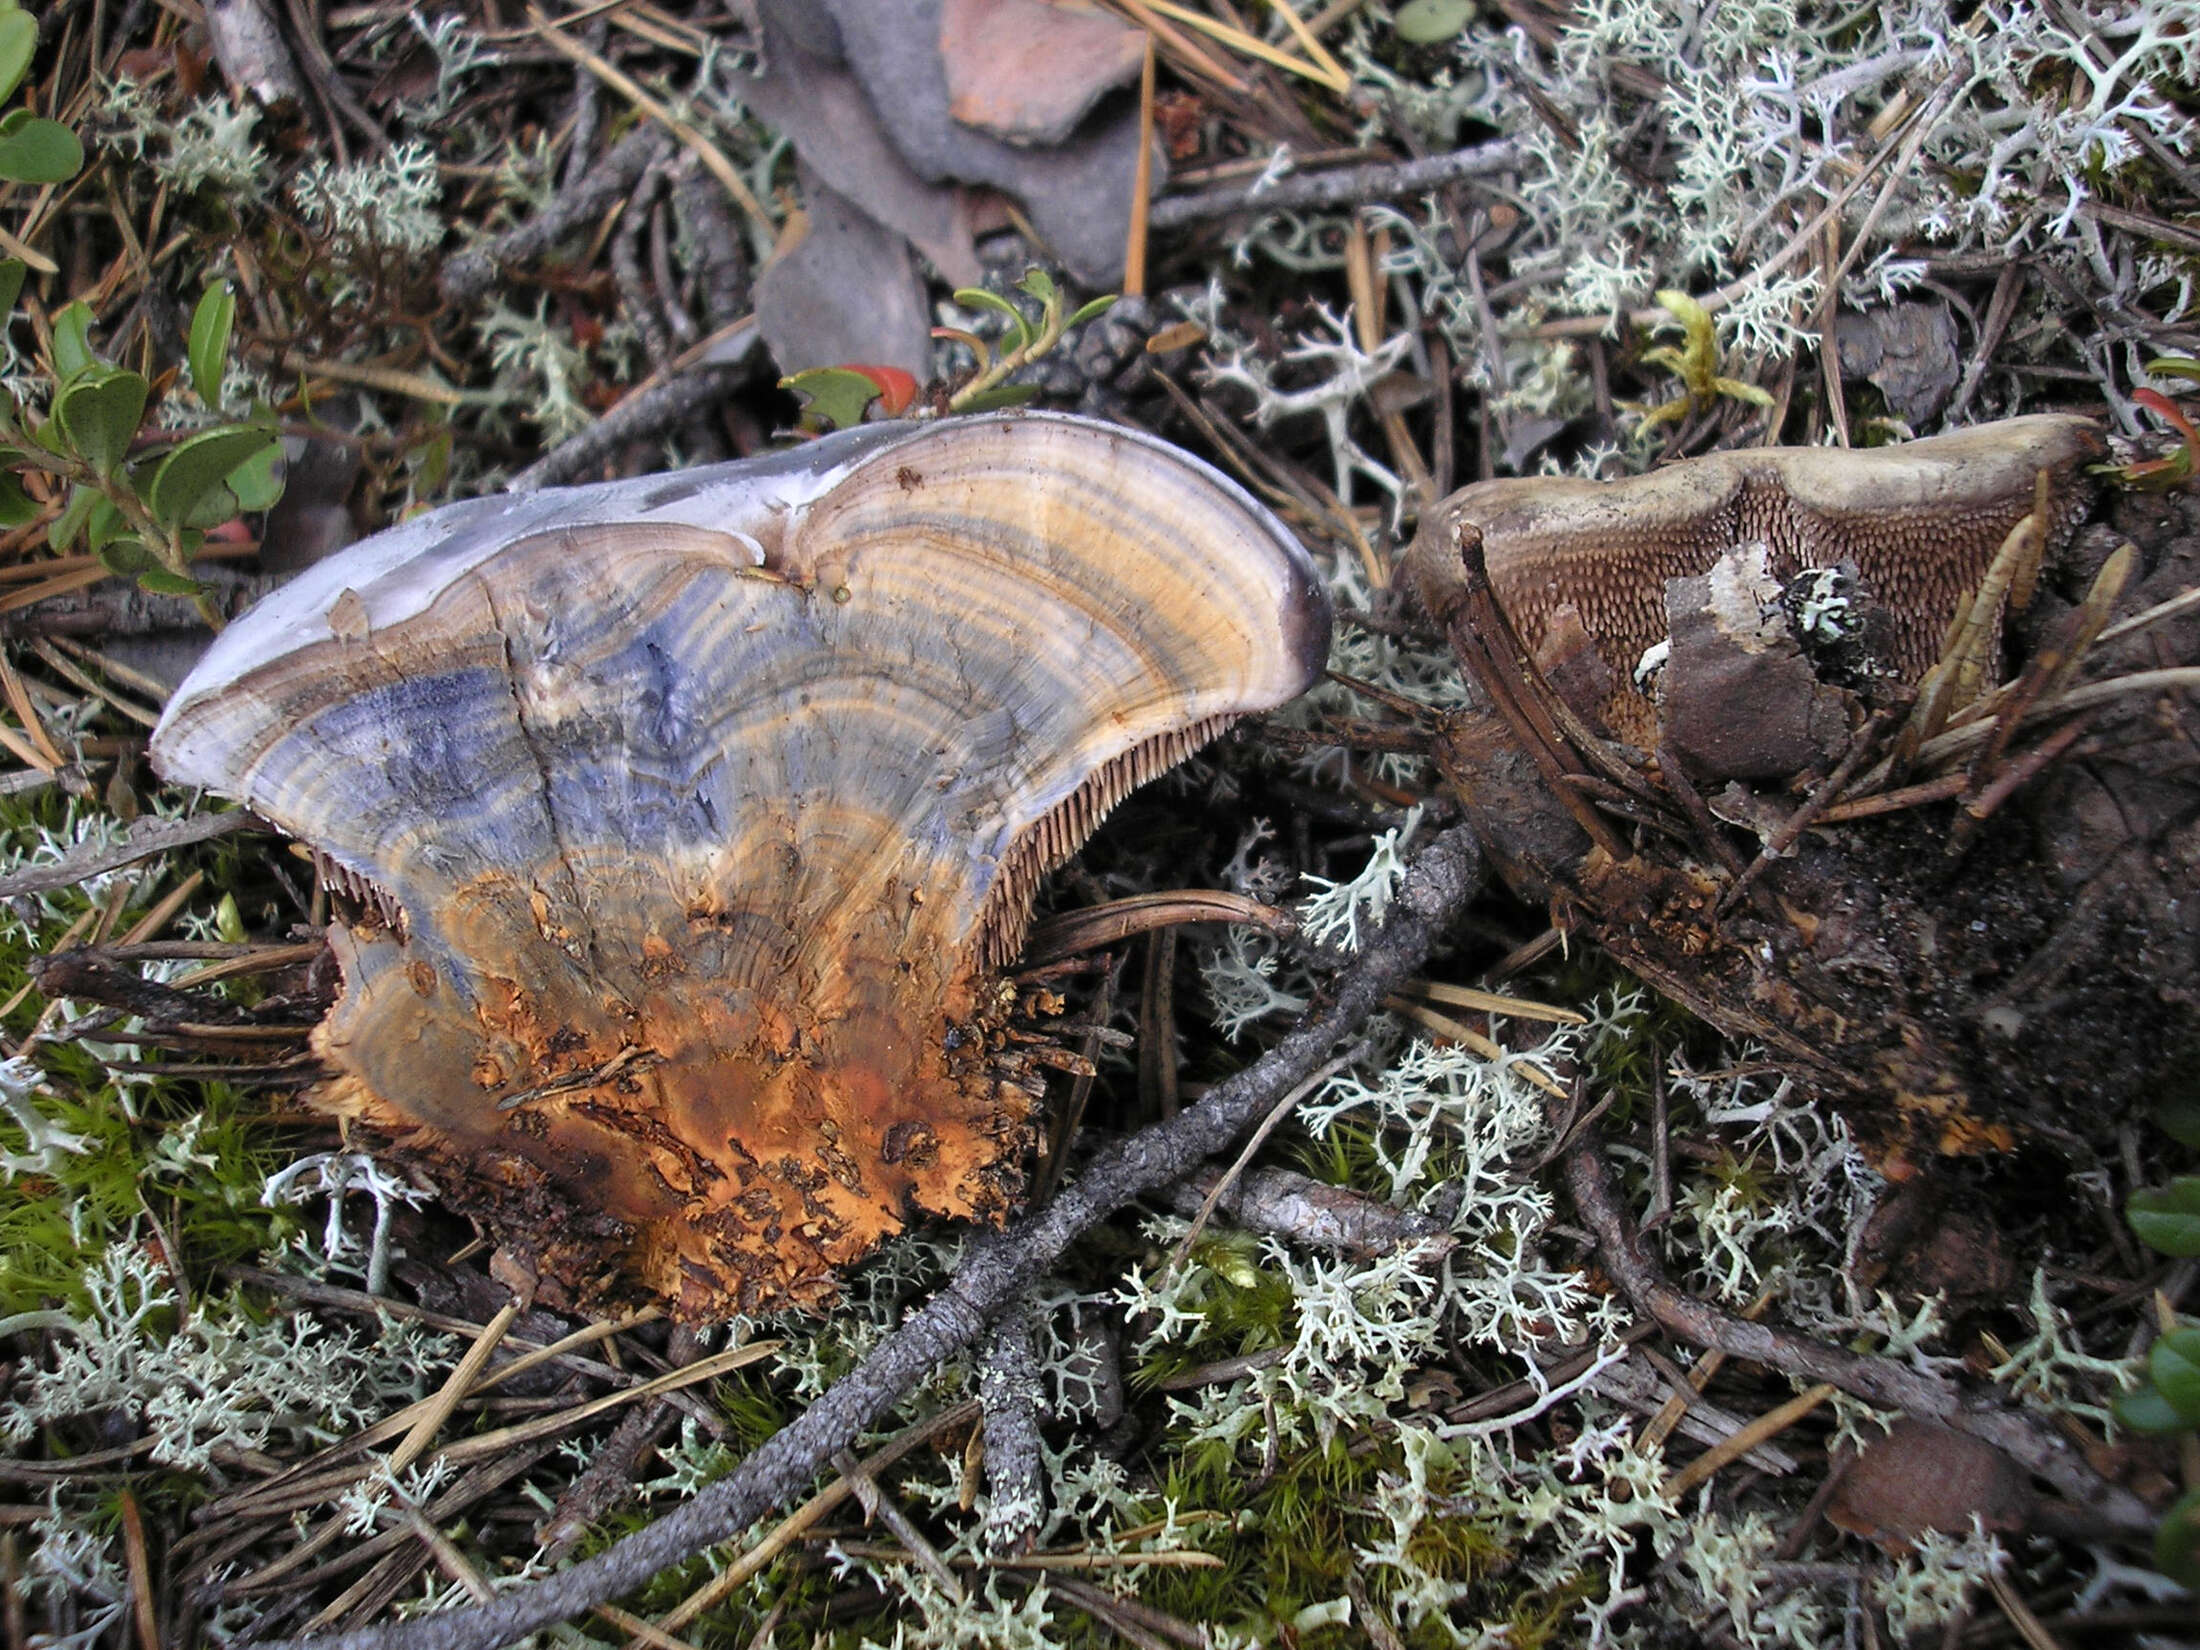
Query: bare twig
x=471, y=273
x=145, y=839
x=1008, y=1387
x=2030, y=1441
x=1384, y=181
x=707, y=373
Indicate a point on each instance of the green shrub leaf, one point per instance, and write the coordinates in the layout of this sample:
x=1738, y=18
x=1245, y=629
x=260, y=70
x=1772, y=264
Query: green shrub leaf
x=1003, y=395
x=2148, y=1411
x=18, y=40
x=2177, y=1542
x=2175, y=1365
x=2167, y=1218
x=17, y=508
x=127, y=557
x=62, y=531
x=105, y=525
x=99, y=413
x=209, y=346
x=12, y=271
x=2179, y=1117
x=160, y=582
x=976, y=297
x=72, y=341
x=258, y=481
x=191, y=487
x=38, y=150
x=837, y=395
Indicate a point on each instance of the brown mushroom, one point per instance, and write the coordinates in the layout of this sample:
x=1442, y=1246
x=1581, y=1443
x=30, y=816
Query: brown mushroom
x=1774, y=839
x=1918, y=524
x=693, y=818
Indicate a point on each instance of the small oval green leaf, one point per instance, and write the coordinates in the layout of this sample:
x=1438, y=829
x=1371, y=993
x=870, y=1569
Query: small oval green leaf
x=12, y=271
x=2167, y=1218
x=62, y=531
x=105, y=526
x=2177, y=1542
x=2178, y=1116
x=1085, y=312
x=18, y=41
x=209, y=344
x=1004, y=395
x=72, y=340
x=99, y=413
x=127, y=557
x=838, y=396
x=258, y=481
x=976, y=297
x=2146, y=1410
x=17, y=508
x=160, y=582
x=190, y=489
x=2175, y=1365
x=39, y=150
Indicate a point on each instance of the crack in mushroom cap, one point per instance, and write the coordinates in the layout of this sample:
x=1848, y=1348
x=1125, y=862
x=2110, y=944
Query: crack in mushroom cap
x=713, y=804
x=1920, y=522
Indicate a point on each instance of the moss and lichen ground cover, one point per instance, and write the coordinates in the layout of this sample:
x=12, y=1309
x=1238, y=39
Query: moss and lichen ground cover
x=1683, y=227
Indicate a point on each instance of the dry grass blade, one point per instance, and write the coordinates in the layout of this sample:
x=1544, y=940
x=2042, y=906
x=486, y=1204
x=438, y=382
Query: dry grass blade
x=2171, y=679
x=1134, y=251
x=53, y=656
x=489, y=1446
x=2008, y=583
x=1700, y=1375
x=139, y=1567
x=48, y=755
x=548, y=1426
x=2089, y=626
x=455, y=1387
x=2029, y=1626
x=1493, y=1002
x=413, y=385
x=314, y=1479
x=1768, y=1425
x=1185, y=54
x=797, y=1523
x=1073, y=933
x=2176, y=607
x=1331, y=75
x=1468, y=1038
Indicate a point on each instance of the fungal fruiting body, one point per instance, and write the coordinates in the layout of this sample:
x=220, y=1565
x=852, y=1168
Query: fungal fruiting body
x=703, y=812
x=1917, y=524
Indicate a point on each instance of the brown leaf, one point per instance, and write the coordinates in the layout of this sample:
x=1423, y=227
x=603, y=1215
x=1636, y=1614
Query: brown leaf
x=1029, y=70
x=1924, y=1476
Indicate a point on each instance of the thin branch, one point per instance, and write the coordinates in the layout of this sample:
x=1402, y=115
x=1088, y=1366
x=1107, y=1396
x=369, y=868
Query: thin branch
x=2024, y=1437
x=472, y=272
x=1350, y=187
x=145, y=839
